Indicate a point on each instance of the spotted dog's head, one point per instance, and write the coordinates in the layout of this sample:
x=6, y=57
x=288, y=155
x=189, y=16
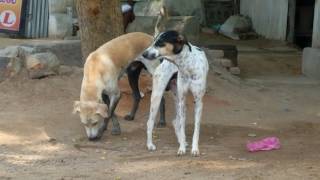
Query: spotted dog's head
x=92, y=116
x=166, y=44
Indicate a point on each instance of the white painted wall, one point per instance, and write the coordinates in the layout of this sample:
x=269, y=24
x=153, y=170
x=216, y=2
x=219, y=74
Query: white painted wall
x=316, y=26
x=269, y=17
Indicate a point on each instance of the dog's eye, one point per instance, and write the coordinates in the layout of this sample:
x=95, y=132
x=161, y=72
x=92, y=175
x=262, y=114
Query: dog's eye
x=94, y=123
x=160, y=44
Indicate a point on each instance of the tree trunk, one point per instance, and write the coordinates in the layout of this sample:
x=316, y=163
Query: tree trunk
x=99, y=22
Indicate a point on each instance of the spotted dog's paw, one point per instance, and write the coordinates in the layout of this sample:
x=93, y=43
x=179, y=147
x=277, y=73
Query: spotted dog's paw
x=195, y=152
x=181, y=151
x=151, y=147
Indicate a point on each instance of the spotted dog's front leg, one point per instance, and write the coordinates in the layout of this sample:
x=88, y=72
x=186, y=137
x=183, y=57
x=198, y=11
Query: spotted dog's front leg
x=160, y=79
x=157, y=93
x=158, y=88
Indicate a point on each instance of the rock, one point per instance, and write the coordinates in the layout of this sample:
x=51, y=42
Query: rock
x=147, y=8
x=12, y=60
x=207, y=30
x=60, y=25
x=252, y=135
x=229, y=51
x=42, y=64
x=235, y=70
x=226, y=62
x=16, y=51
x=234, y=26
x=311, y=62
x=143, y=24
x=14, y=66
x=187, y=25
x=174, y=8
x=67, y=51
x=183, y=8
x=213, y=54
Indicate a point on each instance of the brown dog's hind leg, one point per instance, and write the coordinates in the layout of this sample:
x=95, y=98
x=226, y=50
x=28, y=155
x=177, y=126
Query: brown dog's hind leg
x=133, y=72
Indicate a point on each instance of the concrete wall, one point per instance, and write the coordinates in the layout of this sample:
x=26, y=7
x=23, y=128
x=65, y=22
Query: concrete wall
x=60, y=19
x=316, y=26
x=269, y=17
x=60, y=6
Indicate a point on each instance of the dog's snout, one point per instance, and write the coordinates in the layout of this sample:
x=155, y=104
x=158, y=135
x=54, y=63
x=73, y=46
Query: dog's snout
x=145, y=54
x=93, y=138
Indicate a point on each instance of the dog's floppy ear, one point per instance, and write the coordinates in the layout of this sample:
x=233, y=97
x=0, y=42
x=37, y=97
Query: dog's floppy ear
x=180, y=42
x=102, y=110
x=76, y=107
x=182, y=39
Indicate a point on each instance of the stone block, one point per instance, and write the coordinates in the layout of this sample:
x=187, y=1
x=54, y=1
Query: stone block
x=67, y=51
x=311, y=62
x=174, y=8
x=143, y=24
x=235, y=70
x=187, y=25
x=147, y=8
x=42, y=64
x=230, y=51
x=185, y=8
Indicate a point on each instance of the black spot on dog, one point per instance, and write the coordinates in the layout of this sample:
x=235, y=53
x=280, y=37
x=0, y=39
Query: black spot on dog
x=199, y=49
x=174, y=38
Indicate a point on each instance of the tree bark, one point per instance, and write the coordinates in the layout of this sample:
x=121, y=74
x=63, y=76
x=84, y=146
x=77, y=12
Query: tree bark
x=99, y=22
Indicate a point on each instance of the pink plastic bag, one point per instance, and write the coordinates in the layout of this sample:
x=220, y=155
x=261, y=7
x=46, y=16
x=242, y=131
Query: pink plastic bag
x=265, y=144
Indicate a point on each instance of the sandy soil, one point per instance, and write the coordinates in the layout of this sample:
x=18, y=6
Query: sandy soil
x=41, y=139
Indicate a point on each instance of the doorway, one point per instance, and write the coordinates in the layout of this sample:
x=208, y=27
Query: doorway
x=303, y=28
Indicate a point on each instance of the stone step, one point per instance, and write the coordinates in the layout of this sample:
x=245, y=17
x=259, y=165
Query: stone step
x=311, y=62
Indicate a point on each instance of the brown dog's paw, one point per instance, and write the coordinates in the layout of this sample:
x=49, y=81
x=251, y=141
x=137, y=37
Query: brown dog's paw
x=116, y=131
x=128, y=118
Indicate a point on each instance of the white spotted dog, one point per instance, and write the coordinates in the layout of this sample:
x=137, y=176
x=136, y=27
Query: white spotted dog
x=193, y=67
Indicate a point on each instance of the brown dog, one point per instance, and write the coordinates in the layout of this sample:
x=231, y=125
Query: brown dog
x=100, y=93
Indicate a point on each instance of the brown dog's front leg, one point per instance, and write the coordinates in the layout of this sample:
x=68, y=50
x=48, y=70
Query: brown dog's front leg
x=114, y=100
x=106, y=100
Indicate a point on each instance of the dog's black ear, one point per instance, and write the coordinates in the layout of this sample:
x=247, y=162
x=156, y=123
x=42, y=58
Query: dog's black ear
x=181, y=41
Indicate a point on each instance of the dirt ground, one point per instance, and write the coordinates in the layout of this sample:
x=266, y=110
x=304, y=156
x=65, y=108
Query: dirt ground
x=40, y=138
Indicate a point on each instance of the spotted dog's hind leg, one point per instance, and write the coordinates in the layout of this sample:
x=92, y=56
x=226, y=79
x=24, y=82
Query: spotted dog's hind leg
x=133, y=72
